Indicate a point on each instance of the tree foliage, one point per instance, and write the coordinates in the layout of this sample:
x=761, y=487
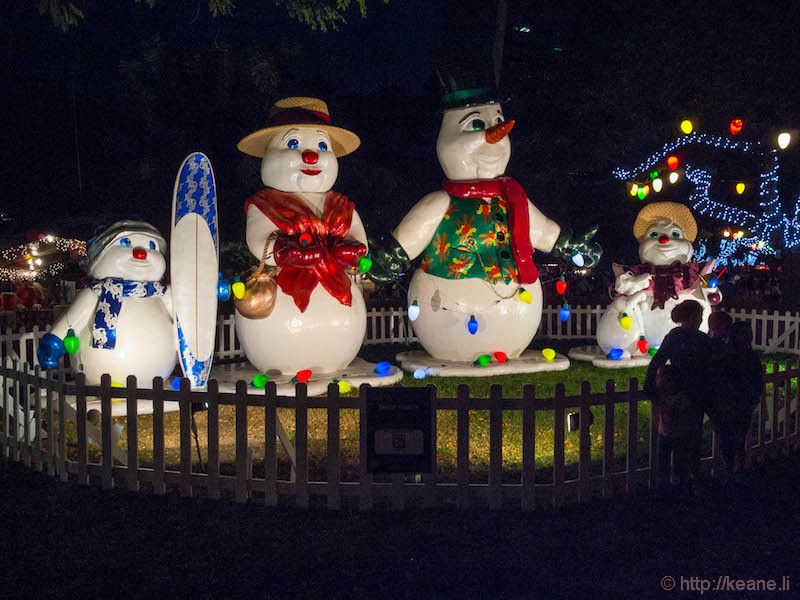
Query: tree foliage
x=321, y=15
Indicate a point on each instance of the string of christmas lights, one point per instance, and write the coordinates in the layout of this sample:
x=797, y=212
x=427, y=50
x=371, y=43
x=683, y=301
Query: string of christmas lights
x=26, y=262
x=761, y=225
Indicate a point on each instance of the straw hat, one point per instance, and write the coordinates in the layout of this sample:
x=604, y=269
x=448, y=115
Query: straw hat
x=292, y=112
x=658, y=211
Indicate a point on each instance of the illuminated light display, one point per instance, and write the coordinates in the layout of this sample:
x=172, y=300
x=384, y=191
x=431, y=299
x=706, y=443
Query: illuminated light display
x=765, y=220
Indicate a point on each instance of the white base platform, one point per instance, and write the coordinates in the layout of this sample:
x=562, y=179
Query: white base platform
x=530, y=361
x=595, y=355
x=359, y=371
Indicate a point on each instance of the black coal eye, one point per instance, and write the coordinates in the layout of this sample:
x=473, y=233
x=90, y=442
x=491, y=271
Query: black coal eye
x=478, y=125
x=676, y=234
x=498, y=120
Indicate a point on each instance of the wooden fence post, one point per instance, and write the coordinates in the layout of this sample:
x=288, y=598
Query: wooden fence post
x=212, y=429
x=185, y=437
x=63, y=471
x=365, y=477
x=462, y=447
x=608, y=439
x=80, y=409
x=528, y=447
x=333, y=458
x=584, y=448
x=107, y=465
x=270, y=445
x=776, y=386
x=633, y=437
x=495, y=446
x=51, y=426
x=37, y=419
x=24, y=400
x=558, y=445
x=158, y=436
x=430, y=498
x=301, y=444
x=241, y=488
x=132, y=430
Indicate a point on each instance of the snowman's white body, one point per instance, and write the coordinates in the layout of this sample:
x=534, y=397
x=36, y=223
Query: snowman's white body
x=635, y=299
x=146, y=340
x=505, y=323
x=327, y=336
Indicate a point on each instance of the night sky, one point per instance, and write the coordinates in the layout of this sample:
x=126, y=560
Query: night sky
x=592, y=86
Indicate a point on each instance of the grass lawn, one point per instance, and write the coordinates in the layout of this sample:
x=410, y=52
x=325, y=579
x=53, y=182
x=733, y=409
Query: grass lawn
x=446, y=424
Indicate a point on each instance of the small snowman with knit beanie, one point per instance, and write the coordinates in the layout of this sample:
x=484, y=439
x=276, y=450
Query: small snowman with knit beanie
x=122, y=323
x=477, y=291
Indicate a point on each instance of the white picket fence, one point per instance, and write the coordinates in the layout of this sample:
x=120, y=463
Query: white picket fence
x=773, y=332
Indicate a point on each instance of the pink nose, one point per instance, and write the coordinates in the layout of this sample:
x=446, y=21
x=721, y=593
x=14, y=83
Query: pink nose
x=310, y=157
x=139, y=253
x=663, y=239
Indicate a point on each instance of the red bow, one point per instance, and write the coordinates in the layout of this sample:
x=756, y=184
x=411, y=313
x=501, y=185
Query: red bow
x=293, y=217
x=518, y=221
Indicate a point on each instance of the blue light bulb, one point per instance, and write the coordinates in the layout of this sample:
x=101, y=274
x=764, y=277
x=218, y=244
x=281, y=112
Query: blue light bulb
x=564, y=313
x=472, y=325
x=420, y=374
x=383, y=368
x=615, y=354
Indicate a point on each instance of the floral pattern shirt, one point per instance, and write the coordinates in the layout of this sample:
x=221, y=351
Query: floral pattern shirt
x=472, y=241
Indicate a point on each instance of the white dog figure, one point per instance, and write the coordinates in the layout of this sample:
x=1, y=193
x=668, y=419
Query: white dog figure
x=638, y=318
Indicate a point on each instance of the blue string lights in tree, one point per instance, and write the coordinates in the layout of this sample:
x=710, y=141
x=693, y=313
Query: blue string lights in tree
x=757, y=227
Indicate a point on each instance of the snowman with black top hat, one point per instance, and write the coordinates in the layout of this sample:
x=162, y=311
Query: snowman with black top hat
x=477, y=291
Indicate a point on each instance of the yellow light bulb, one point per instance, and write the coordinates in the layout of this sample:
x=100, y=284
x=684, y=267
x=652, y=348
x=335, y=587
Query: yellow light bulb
x=549, y=354
x=784, y=139
x=673, y=177
x=634, y=189
x=686, y=126
x=740, y=188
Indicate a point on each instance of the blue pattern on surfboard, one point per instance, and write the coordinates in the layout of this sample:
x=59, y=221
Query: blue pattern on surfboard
x=197, y=192
x=196, y=371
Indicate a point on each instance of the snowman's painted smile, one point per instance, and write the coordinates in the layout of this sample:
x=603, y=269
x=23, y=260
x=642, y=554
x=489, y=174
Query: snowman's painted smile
x=311, y=172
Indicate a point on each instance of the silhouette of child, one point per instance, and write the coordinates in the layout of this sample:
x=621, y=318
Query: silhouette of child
x=738, y=395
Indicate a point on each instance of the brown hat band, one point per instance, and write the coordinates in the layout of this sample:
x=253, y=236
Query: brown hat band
x=298, y=116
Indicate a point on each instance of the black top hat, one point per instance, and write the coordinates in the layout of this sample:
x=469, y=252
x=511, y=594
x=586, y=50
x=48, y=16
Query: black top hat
x=467, y=87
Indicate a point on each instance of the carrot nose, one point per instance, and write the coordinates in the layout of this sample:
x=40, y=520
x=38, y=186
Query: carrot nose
x=499, y=131
x=663, y=239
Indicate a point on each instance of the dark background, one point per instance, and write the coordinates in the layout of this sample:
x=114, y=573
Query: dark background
x=97, y=120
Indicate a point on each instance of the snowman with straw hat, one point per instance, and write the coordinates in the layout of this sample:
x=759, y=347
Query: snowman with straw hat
x=309, y=239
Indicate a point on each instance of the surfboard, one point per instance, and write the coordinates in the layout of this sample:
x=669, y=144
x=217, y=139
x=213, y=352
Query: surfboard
x=194, y=264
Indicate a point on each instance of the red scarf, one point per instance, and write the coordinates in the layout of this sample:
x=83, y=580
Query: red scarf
x=518, y=221
x=293, y=216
